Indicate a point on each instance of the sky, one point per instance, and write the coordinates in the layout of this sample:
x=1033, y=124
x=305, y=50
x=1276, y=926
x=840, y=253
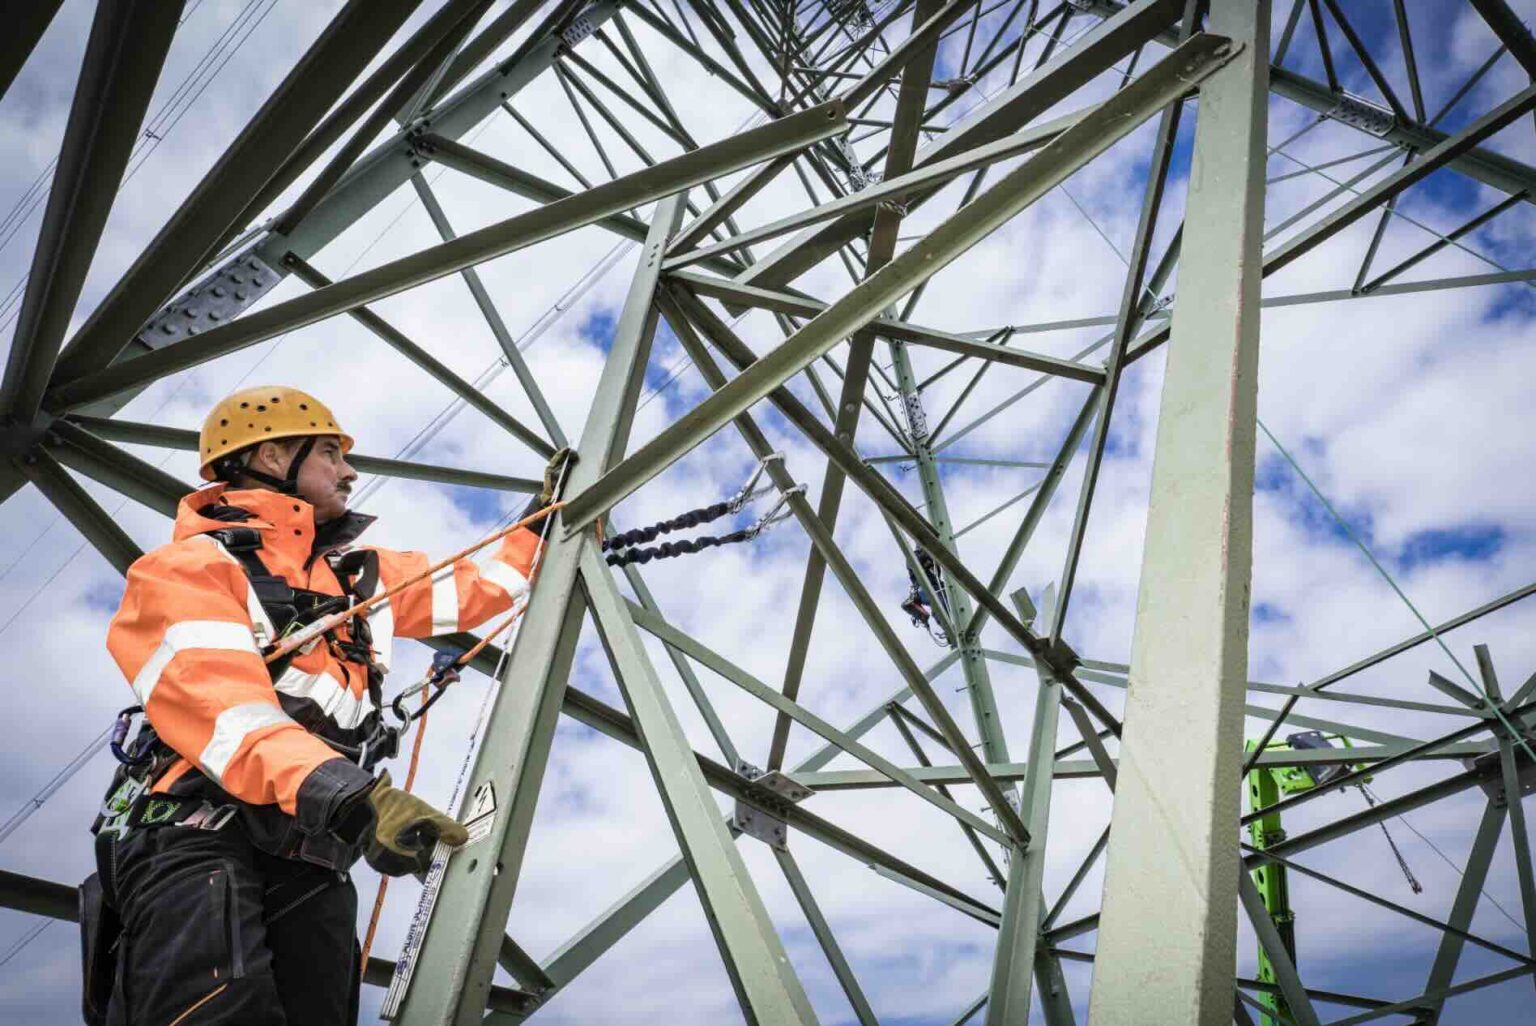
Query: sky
x=1411, y=415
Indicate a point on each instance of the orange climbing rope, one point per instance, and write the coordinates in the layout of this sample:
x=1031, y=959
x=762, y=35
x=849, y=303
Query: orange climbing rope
x=410, y=773
x=300, y=638
x=410, y=779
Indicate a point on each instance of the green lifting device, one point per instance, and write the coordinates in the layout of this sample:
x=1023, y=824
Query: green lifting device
x=1266, y=786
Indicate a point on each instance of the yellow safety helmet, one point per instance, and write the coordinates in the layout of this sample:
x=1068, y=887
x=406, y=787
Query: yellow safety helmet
x=263, y=414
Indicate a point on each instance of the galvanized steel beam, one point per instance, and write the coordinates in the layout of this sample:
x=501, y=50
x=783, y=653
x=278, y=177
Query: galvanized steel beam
x=357, y=32
x=135, y=433
x=1007, y=815
x=27, y=23
x=98, y=526
x=445, y=31
x=791, y=133
x=998, y=117
x=1017, y=958
x=1171, y=870
x=733, y=293
x=1112, y=120
x=705, y=656
x=397, y=340
x=123, y=56
x=766, y=985
x=1468, y=895
x=458, y=958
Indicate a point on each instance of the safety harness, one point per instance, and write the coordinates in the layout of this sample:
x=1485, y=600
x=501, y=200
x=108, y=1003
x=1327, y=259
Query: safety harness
x=300, y=619
x=288, y=609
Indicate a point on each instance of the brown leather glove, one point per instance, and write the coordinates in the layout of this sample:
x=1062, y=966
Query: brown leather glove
x=552, y=471
x=405, y=830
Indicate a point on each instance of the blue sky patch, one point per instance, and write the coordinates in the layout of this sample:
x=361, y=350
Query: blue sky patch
x=1514, y=302
x=482, y=505
x=1470, y=542
x=1273, y=474
x=103, y=596
x=1268, y=612
x=598, y=328
x=1452, y=191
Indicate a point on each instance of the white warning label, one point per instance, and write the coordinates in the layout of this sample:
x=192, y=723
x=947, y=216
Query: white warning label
x=482, y=813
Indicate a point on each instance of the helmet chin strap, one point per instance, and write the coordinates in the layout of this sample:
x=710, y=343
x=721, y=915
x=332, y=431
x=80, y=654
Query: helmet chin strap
x=288, y=484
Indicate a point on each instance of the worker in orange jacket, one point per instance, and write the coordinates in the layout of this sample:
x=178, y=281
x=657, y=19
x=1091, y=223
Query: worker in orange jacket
x=225, y=846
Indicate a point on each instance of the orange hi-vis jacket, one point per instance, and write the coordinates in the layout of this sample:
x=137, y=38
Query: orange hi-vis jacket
x=190, y=629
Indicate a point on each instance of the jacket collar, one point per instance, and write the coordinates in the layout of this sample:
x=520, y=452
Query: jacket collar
x=286, y=522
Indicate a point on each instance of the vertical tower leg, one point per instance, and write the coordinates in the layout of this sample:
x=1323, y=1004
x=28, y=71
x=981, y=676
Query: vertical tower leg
x=1171, y=878
x=1017, y=954
x=458, y=957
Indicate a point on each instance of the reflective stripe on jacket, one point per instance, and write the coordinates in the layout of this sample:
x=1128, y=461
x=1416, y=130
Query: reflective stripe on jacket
x=188, y=632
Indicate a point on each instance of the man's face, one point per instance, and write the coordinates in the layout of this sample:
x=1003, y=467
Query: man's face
x=325, y=479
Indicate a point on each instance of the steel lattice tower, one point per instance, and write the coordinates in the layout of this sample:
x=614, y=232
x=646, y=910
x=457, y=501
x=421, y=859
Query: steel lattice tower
x=854, y=101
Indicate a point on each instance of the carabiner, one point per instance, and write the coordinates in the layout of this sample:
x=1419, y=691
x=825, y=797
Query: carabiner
x=777, y=512
x=749, y=491
x=444, y=671
x=120, y=737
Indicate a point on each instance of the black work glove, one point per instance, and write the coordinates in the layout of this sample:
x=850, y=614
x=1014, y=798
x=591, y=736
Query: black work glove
x=405, y=831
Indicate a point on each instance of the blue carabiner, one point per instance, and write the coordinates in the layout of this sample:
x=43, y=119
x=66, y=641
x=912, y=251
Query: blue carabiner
x=120, y=737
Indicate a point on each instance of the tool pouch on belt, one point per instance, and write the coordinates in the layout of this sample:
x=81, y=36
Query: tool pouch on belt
x=100, y=929
x=334, y=821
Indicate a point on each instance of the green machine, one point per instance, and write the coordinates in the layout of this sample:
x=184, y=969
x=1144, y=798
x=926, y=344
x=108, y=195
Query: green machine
x=1267, y=785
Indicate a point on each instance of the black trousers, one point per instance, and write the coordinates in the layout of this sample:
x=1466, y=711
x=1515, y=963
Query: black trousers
x=216, y=932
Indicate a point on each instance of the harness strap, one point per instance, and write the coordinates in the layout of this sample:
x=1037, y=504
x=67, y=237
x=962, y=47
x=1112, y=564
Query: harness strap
x=231, y=467
x=287, y=607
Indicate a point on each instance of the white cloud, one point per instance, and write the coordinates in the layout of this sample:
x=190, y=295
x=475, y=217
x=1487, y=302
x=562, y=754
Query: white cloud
x=1408, y=413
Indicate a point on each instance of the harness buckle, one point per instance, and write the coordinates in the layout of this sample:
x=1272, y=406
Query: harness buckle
x=120, y=802
x=208, y=816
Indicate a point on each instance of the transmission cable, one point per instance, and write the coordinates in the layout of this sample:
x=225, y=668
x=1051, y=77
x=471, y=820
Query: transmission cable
x=16, y=949
x=154, y=132
x=40, y=186
x=59, y=780
x=1517, y=735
